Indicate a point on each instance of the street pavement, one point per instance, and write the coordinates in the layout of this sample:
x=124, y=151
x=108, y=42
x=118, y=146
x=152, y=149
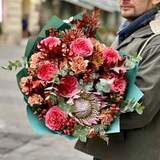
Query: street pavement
x=17, y=140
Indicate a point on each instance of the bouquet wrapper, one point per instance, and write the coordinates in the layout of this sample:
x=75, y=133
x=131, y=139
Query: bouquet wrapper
x=133, y=92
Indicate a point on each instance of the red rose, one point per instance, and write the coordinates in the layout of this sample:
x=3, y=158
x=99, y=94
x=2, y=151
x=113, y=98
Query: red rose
x=56, y=119
x=82, y=47
x=48, y=44
x=111, y=56
x=68, y=86
x=47, y=70
x=119, y=85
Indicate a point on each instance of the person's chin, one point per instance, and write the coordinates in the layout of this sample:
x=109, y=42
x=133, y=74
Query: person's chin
x=127, y=14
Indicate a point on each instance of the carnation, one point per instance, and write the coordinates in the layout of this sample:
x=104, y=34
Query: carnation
x=55, y=119
x=47, y=71
x=111, y=56
x=68, y=86
x=82, y=47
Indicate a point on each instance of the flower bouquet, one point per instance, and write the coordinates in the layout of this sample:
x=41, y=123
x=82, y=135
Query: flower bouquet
x=73, y=84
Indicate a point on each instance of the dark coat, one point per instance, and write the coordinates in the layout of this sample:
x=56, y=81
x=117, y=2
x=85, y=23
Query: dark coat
x=140, y=135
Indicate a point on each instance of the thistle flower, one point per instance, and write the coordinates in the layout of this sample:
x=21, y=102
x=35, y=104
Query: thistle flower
x=86, y=109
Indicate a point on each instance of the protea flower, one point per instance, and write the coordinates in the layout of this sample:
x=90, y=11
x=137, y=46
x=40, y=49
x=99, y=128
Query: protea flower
x=87, y=109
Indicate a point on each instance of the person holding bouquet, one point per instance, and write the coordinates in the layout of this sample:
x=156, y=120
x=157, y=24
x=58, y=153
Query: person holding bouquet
x=139, y=136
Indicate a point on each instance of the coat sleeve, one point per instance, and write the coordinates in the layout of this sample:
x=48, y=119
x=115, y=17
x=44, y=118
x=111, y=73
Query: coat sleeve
x=148, y=80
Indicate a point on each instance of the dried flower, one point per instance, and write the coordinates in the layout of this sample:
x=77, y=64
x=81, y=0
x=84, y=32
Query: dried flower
x=71, y=35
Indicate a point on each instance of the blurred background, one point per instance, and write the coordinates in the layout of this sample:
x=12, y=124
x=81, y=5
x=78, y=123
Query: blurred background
x=20, y=19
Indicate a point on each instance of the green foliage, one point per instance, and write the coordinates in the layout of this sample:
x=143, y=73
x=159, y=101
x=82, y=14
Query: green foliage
x=53, y=98
x=88, y=86
x=56, y=80
x=104, y=85
x=139, y=108
x=81, y=133
x=132, y=61
x=63, y=72
x=64, y=106
x=13, y=65
x=102, y=130
x=131, y=105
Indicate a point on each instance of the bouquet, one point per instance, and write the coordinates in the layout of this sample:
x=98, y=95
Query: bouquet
x=73, y=84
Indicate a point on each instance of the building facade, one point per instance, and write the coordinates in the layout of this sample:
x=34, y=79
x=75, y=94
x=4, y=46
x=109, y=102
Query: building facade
x=17, y=15
x=22, y=18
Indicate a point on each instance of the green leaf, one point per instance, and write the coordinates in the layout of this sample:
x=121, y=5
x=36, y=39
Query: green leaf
x=88, y=86
x=132, y=105
x=81, y=133
x=53, y=98
x=65, y=107
x=139, y=108
x=132, y=61
x=104, y=85
x=12, y=65
x=56, y=80
x=63, y=72
x=83, y=138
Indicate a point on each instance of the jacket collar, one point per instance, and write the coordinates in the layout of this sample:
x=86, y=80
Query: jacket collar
x=140, y=33
x=135, y=25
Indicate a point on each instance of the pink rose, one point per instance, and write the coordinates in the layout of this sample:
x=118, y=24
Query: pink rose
x=56, y=119
x=48, y=44
x=47, y=71
x=119, y=85
x=68, y=86
x=111, y=56
x=82, y=47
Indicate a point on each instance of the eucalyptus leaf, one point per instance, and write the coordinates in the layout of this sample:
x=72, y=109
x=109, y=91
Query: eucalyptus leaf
x=104, y=85
x=13, y=65
x=88, y=86
x=132, y=105
x=139, y=108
